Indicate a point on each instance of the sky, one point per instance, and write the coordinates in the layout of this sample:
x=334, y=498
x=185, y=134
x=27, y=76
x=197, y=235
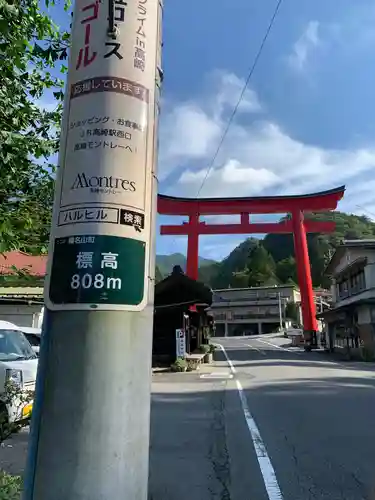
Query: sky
x=306, y=122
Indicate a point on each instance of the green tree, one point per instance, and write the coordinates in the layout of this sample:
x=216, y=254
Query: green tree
x=236, y=269
x=236, y=262
x=291, y=311
x=31, y=45
x=240, y=279
x=286, y=270
x=261, y=267
x=208, y=272
x=158, y=275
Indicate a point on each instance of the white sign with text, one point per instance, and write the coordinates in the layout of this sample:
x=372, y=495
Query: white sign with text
x=106, y=181
x=180, y=343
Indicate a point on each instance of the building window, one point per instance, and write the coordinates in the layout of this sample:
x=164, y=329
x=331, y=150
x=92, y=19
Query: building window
x=362, y=280
x=343, y=289
x=251, y=313
x=220, y=316
x=351, y=284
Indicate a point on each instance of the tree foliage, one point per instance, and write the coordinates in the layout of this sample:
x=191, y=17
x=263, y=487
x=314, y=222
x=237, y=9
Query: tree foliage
x=291, y=311
x=10, y=486
x=31, y=47
x=274, y=261
x=158, y=275
x=286, y=270
x=261, y=267
x=228, y=272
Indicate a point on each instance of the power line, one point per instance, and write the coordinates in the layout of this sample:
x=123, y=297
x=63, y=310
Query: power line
x=252, y=69
x=178, y=304
x=365, y=209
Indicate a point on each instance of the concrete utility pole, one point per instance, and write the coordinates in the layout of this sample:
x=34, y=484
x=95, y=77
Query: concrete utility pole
x=90, y=427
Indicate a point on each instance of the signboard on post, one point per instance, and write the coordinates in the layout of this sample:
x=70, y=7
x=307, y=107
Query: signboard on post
x=180, y=343
x=101, y=232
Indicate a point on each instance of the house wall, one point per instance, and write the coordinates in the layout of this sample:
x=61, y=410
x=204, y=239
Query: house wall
x=364, y=316
x=366, y=326
x=250, y=310
x=352, y=254
x=22, y=315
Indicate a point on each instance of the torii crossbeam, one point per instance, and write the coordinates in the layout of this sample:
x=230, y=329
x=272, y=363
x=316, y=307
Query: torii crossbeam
x=296, y=206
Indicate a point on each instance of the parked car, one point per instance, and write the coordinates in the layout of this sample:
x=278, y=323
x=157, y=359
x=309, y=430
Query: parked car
x=33, y=335
x=18, y=368
x=293, y=331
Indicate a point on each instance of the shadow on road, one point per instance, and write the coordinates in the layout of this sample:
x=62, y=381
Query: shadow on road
x=319, y=433
x=277, y=357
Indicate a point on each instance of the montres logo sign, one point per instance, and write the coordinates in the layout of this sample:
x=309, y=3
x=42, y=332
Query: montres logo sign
x=82, y=181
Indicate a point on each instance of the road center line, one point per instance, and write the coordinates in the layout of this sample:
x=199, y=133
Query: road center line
x=266, y=468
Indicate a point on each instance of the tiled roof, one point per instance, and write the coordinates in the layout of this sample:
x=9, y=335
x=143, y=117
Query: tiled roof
x=35, y=265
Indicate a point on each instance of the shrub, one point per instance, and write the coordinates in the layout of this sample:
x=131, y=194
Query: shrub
x=191, y=366
x=10, y=487
x=17, y=398
x=180, y=365
x=204, y=348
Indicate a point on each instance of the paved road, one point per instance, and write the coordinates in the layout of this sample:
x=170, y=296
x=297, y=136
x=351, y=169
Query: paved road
x=284, y=424
x=315, y=418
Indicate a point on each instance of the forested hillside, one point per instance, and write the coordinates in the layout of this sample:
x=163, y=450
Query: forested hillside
x=270, y=261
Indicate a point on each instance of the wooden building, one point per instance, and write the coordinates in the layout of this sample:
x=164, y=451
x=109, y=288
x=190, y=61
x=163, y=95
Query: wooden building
x=180, y=302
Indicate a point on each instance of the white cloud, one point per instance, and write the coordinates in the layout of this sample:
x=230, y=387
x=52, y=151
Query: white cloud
x=191, y=130
x=229, y=89
x=232, y=177
x=304, y=46
x=258, y=156
x=186, y=132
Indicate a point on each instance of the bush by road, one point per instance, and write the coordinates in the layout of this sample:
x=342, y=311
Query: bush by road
x=10, y=487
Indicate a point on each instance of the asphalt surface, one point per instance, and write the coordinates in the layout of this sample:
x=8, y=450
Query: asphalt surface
x=315, y=416
x=280, y=424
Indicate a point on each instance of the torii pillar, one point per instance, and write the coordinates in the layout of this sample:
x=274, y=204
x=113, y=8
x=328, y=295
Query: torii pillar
x=304, y=277
x=192, y=257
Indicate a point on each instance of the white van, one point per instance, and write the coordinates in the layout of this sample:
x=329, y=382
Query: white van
x=33, y=335
x=18, y=367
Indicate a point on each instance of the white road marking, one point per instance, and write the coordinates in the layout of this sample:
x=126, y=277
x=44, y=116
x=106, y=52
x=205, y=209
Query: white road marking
x=248, y=337
x=325, y=361
x=266, y=468
x=278, y=346
x=217, y=375
x=256, y=349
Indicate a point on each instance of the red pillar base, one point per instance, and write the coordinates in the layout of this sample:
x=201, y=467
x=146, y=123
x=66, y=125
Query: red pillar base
x=311, y=339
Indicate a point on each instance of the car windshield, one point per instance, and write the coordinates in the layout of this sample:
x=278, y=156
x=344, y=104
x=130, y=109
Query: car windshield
x=33, y=339
x=14, y=346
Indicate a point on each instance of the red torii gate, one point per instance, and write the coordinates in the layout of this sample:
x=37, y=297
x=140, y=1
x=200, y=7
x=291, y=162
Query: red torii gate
x=296, y=206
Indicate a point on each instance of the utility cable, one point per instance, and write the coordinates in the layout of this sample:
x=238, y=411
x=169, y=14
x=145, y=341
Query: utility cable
x=252, y=69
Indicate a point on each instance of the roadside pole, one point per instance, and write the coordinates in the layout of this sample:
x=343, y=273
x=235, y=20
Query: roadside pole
x=280, y=313
x=90, y=425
